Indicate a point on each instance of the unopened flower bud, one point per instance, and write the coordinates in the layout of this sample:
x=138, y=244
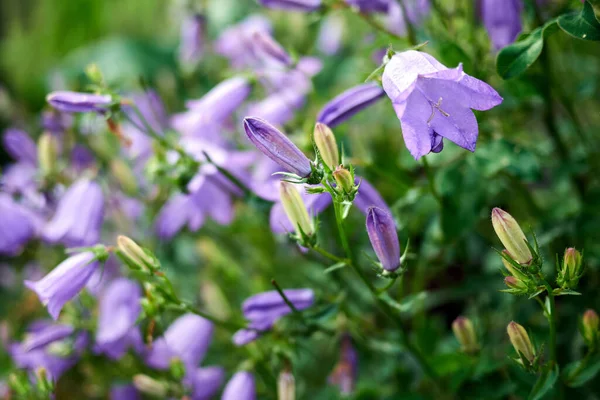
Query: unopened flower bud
x=514, y=283
x=571, y=270
x=512, y=237
x=590, y=325
x=520, y=340
x=344, y=179
x=286, y=386
x=294, y=207
x=79, y=102
x=124, y=175
x=327, y=146
x=47, y=153
x=134, y=254
x=177, y=368
x=94, y=74
x=150, y=386
x=384, y=239
x=465, y=334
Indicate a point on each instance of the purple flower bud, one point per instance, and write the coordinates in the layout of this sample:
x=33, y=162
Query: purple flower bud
x=206, y=381
x=292, y=5
x=192, y=38
x=64, y=282
x=502, y=20
x=79, y=215
x=370, y=5
x=275, y=145
x=79, y=102
x=383, y=237
x=20, y=146
x=222, y=100
x=17, y=227
x=331, y=35
x=264, y=309
x=368, y=197
x=431, y=100
x=349, y=103
x=269, y=50
x=50, y=333
x=240, y=387
x=187, y=338
x=118, y=311
x=124, y=392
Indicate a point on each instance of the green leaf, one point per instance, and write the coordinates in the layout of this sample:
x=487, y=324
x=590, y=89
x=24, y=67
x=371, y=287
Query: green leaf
x=544, y=383
x=335, y=267
x=577, y=375
x=596, y=7
x=563, y=292
x=584, y=25
x=514, y=59
x=409, y=303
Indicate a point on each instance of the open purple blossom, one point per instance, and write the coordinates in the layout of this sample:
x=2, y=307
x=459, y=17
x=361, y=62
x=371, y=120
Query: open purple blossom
x=20, y=146
x=292, y=5
x=36, y=350
x=192, y=43
x=275, y=145
x=79, y=102
x=79, y=215
x=349, y=103
x=432, y=100
x=64, y=282
x=264, y=309
x=18, y=225
x=118, y=312
x=240, y=387
x=384, y=239
x=502, y=20
x=235, y=42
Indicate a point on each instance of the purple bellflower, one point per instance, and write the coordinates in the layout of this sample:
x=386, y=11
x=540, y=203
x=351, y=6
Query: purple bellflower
x=502, y=20
x=118, y=311
x=292, y=5
x=192, y=43
x=20, y=146
x=222, y=100
x=241, y=386
x=349, y=103
x=435, y=102
x=79, y=102
x=78, y=217
x=275, y=145
x=331, y=35
x=124, y=392
x=205, y=382
x=384, y=239
x=264, y=309
x=55, y=121
x=235, y=42
x=18, y=225
x=271, y=52
x=64, y=282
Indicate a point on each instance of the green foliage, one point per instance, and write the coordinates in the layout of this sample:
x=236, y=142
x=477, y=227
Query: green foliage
x=583, y=25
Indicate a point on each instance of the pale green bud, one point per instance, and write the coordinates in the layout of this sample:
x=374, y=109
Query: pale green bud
x=47, y=153
x=590, y=325
x=344, y=179
x=326, y=144
x=286, y=386
x=511, y=235
x=150, y=386
x=520, y=340
x=465, y=334
x=134, y=254
x=294, y=207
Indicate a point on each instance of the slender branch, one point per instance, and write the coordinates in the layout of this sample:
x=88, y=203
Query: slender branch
x=431, y=181
x=328, y=255
x=285, y=298
x=368, y=19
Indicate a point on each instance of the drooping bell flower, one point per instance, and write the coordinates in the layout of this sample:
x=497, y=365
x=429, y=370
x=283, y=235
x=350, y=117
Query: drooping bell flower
x=349, y=103
x=264, y=309
x=502, y=20
x=18, y=225
x=292, y=5
x=78, y=217
x=118, y=312
x=240, y=387
x=74, y=102
x=384, y=239
x=192, y=43
x=435, y=102
x=275, y=145
x=20, y=146
x=65, y=281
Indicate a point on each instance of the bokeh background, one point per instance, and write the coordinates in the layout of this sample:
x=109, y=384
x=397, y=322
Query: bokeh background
x=537, y=157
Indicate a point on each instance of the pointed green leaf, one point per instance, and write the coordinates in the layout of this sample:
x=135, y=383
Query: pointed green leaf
x=580, y=372
x=544, y=383
x=596, y=7
x=583, y=25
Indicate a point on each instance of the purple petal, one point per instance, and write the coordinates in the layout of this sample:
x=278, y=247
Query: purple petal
x=206, y=382
x=118, y=310
x=413, y=115
x=79, y=102
x=502, y=19
x=350, y=103
x=384, y=239
x=240, y=387
x=292, y=5
x=20, y=146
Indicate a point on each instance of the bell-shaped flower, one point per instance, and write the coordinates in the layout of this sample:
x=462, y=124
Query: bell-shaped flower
x=349, y=103
x=117, y=314
x=384, y=239
x=502, y=20
x=193, y=38
x=241, y=386
x=235, y=42
x=64, y=282
x=79, y=102
x=435, y=102
x=20, y=146
x=18, y=226
x=78, y=217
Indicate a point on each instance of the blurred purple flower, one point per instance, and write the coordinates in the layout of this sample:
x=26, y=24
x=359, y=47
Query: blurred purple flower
x=292, y=5
x=124, y=392
x=269, y=51
x=416, y=11
x=502, y=20
x=20, y=146
x=235, y=43
x=264, y=309
x=368, y=196
x=18, y=225
x=81, y=158
x=275, y=145
x=370, y=5
x=349, y=103
x=240, y=387
x=345, y=373
x=432, y=100
x=46, y=337
x=192, y=43
x=64, y=282
x=55, y=121
x=384, y=239
x=79, y=102
x=205, y=382
x=222, y=100
x=118, y=311
x=331, y=35
x=79, y=215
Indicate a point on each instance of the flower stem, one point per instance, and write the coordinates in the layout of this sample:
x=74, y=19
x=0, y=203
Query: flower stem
x=551, y=315
x=431, y=181
x=328, y=255
x=368, y=19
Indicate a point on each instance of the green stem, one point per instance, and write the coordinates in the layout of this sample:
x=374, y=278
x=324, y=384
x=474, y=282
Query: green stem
x=285, y=298
x=431, y=181
x=551, y=322
x=328, y=255
x=368, y=19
